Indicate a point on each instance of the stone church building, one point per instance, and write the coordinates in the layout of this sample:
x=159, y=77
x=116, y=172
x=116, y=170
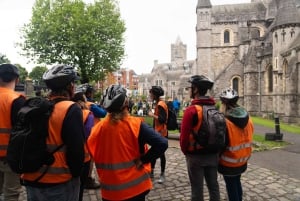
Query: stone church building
x=251, y=47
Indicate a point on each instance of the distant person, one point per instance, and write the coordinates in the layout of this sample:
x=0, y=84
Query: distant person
x=88, y=120
x=122, y=158
x=10, y=104
x=62, y=180
x=200, y=165
x=176, y=106
x=160, y=125
x=233, y=160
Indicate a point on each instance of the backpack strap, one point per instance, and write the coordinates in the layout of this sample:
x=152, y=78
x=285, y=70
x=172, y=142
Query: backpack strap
x=47, y=168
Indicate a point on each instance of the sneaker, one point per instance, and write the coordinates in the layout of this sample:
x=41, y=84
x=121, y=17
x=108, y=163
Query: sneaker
x=161, y=179
x=91, y=184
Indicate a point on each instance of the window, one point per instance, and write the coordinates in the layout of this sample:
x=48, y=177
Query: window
x=270, y=79
x=235, y=84
x=226, y=36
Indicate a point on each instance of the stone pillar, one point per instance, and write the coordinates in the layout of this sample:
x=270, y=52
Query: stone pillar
x=29, y=89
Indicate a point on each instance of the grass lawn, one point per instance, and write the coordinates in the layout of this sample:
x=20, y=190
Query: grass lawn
x=271, y=124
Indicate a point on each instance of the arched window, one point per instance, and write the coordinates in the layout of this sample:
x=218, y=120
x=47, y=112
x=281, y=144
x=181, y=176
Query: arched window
x=270, y=78
x=235, y=84
x=226, y=36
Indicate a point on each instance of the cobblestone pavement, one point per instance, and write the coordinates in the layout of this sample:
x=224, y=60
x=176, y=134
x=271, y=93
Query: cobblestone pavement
x=259, y=184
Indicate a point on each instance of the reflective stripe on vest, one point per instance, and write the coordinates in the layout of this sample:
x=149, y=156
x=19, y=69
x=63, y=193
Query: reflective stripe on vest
x=239, y=147
x=5, y=131
x=115, y=166
x=233, y=160
x=125, y=185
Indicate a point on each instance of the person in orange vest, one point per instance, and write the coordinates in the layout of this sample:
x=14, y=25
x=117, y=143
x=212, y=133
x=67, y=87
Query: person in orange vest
x=118, y=145
x=61, y=181
x=88, y=120
x=98, y=113
x=160, y=116
x=233, y=160
x=199, y=165
x=10, y=104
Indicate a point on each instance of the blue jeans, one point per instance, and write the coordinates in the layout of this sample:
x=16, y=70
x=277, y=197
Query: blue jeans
x=234, y=187
x=68, y=191
x=202, y=167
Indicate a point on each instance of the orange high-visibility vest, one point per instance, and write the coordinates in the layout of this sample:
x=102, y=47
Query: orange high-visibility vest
x=161, y=128
x=7, y=96
x=114, y=147
x=59, y=171
x=87, y=156
x=193, y=145
x=238, y=151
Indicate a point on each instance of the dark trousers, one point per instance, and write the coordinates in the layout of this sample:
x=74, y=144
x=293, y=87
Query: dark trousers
x=234, y=187
x=162, y=164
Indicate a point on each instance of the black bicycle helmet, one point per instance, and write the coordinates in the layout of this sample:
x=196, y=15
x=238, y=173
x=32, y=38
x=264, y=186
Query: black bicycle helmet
x=201, y=81
x=114, y=98
x=157, y=91
x=229, y=95
x=60, y=76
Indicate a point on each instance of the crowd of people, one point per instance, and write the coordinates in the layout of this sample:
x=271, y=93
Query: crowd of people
x=120, y=146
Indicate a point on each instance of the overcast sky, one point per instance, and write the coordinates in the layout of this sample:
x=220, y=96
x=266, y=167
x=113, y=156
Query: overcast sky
x=152, y=26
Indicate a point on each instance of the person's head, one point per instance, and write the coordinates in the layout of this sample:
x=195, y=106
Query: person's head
x=9, y=74
x=89, y=91
x=229, y=96
x=61, y=80
x=80, y=98
x=156, y=92
x=115, y=99
x=200, y=85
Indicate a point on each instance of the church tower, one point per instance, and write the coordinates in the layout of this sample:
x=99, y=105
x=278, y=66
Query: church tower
x=204, y=43
x=178, y=50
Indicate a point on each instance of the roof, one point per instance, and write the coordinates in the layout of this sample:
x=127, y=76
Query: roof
x=238, y=12
x=287, y=14
x=204, y=4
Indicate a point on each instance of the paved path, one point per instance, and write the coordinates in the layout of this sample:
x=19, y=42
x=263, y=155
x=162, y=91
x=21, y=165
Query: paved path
x=271, y=175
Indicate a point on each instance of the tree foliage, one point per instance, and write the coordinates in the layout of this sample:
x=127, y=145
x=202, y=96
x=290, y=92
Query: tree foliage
x=4, y=59
x=37, y=74
x=23, y=73
x=87, y=36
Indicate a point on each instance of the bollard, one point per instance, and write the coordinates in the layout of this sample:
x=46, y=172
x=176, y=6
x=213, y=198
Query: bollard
x=277, y=135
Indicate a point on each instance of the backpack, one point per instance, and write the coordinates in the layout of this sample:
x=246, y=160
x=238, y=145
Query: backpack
x=172, y=119
x=27, y=148
x=212, y=132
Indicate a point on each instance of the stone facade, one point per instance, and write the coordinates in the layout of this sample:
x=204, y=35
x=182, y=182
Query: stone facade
x=252, y=47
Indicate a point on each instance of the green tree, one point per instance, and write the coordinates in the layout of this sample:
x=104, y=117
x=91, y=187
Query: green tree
x=23, y=73
x=87, y=36
x=37, y=74
x=4, y=59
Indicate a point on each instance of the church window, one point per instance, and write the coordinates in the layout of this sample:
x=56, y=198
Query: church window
x=276, y=37
x=226, y=36
x=206, y=16
x=235, y=84
x=292, y=32
x=283, y=35
x=270, y=79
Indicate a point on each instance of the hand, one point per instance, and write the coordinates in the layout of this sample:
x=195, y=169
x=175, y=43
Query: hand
x=150, y=113
x=138, y=164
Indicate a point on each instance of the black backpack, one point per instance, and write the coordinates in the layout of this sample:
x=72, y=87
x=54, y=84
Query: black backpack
x=172, y=119
x=212, y=132
x=27, y=149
